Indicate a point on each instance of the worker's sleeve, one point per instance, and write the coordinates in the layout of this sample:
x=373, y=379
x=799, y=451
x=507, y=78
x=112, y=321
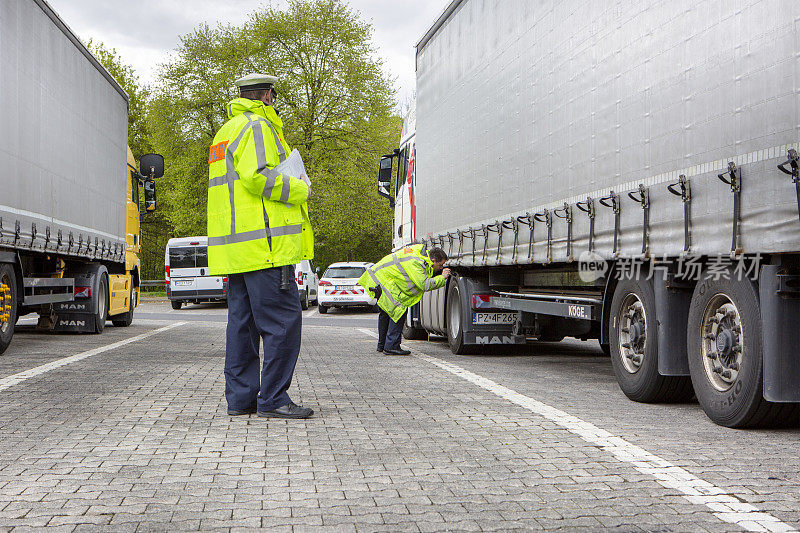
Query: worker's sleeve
x=436, y=282
x=419, y=276
x=258, y=178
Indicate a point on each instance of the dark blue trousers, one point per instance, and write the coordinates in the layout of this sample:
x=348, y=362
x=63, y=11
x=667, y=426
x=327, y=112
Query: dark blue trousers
x=389, y=331
x=258, y=308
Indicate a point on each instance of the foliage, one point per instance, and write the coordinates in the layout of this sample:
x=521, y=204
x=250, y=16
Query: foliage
x=335, y=101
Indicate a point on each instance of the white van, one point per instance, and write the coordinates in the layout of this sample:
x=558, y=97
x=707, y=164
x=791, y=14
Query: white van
x=307, y=283
x=186, y=273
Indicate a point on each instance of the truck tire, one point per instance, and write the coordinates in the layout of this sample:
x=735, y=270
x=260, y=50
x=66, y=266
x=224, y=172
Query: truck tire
x=176, y=304
x=634, y=346
x=725, y=356
x=322, y=309
x=126, y=319
x=8, y=304
x=414, y=334
x=454, y=318
x=101, y=316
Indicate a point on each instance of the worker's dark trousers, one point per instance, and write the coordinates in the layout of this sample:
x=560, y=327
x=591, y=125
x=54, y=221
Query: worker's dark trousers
x=257, y=307
x=389, y=331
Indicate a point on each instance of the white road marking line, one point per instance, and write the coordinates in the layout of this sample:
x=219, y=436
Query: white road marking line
x=725, y=506
x=310, y=313
x=14, y=379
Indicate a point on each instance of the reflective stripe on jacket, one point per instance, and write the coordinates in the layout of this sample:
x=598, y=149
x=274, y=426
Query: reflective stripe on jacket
x=403, y=276
x=257, y=218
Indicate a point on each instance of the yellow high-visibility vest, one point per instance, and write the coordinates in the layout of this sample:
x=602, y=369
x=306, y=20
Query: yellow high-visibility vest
x=403, y=276
x=257, y=218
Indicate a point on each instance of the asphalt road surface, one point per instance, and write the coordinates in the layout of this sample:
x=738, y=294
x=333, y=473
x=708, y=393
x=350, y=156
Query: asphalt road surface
x=127, y=431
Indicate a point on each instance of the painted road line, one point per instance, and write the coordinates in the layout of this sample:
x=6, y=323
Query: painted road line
x=725, y=506
x=310, y=313
x=14, y=379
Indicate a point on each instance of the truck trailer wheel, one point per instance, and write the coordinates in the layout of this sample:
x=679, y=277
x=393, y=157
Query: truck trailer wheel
x=414, y=334
x=454, y=316
x=634, y=346
x=101, y=316
x=126, y=319
x=8, y=305
x=725, y=356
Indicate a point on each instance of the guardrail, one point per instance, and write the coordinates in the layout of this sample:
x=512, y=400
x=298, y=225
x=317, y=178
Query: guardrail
x=152, y=283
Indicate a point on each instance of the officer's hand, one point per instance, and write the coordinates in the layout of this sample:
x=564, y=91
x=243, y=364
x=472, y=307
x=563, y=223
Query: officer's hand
x=446, y=272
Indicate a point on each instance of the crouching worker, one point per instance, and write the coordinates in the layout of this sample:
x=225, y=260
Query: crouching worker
x=398, y=281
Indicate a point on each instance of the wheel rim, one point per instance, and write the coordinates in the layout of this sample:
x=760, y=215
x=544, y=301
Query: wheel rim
x=722, y=342
x=454, y=316
x=5, y=303
x=632, y=333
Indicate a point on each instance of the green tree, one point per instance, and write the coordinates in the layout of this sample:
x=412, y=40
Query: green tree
x=334, y=98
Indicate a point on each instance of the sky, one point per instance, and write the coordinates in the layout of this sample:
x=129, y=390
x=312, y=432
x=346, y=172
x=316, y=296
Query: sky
x=145, y=32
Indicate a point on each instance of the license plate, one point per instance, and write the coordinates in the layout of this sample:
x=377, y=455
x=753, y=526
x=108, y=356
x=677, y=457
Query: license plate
x=494, y=318
x=182, y=283
x=344, y=287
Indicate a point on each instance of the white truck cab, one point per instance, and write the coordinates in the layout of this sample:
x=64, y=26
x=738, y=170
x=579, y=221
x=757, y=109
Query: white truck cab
x=307, y=280
x=186, y=273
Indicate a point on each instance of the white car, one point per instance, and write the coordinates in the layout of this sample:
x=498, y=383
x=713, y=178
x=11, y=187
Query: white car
x=306, y=277
x=338, y=288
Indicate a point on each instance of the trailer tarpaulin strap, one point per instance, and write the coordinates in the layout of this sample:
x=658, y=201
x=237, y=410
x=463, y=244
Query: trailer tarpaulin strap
x=514, y=225
x=528, y=219
x=460, y=243
x=546, y=217
x=686, y=196
x=734, y=179
x=644, y=200
x=794, y=172
x=588, y=207
x=472, y=236
x=485, y=241
x=499, y=226
x=567, y=214
x=615, y=205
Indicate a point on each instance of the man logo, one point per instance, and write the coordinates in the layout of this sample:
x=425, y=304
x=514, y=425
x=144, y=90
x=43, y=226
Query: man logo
x=591, y=266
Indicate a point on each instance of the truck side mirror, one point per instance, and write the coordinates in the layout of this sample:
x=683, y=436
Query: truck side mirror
x=149, y=195
x=385, y=178
x=152, y=166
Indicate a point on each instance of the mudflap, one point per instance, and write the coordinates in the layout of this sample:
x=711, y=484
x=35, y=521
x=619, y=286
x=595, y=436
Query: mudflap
x=74, y=323
x=779, y=297
x=672, y=308
x=77, y=316
x=487, y=338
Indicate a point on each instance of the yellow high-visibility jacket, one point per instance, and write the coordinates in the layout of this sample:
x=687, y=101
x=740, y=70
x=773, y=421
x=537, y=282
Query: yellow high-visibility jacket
x=257, y=218
x=403, y=276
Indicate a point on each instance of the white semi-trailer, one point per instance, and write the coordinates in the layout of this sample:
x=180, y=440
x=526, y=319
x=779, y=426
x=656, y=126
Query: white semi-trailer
x=69, y=189
x=620, y=171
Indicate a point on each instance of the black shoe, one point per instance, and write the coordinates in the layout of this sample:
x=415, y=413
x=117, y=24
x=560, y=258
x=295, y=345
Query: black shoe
x=399, y=351
x=380, y=348
x=290, y=410
x=234, y=412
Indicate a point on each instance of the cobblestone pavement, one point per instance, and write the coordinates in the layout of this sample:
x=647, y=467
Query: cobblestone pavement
x=136, y=438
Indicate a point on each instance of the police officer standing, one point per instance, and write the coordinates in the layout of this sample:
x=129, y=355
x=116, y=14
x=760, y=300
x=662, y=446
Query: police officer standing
x=398, y=281
x=258, y=228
